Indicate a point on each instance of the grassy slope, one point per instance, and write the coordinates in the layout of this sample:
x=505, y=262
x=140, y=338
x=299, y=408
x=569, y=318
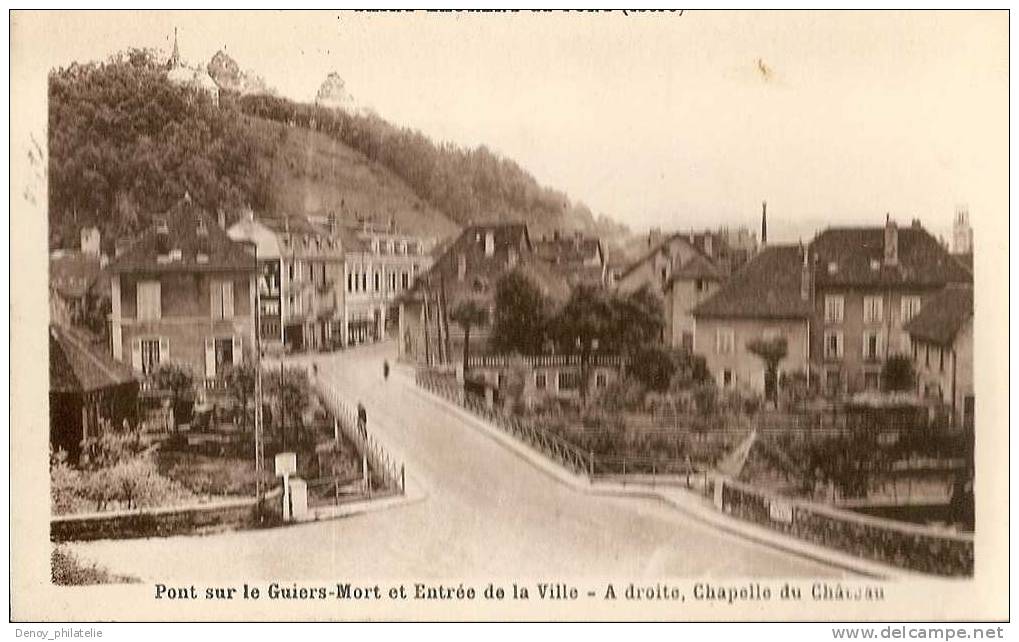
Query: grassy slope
x=312, y=173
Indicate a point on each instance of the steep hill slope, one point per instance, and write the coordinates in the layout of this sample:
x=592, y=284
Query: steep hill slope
x=312, y=173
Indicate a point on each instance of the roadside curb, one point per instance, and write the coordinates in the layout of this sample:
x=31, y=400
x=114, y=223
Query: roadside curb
x=680, y=499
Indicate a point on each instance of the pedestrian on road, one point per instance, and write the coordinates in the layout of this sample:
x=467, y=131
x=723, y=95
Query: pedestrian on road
x=362, y=420
x=385, y=370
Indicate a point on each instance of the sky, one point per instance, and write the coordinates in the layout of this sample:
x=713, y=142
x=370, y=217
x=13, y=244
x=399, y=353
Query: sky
x=673, y=120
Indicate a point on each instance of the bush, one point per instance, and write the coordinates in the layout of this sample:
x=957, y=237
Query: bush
x=653, y=367
x=68, y=570
x=623, y=394
x=705, y=397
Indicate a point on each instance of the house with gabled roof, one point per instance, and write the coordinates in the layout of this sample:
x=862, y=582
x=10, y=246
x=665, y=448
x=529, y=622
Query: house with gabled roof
x=867, y=283
x=184, y=291
x=768, y=298
x=87, y=387
x=469, y=269
x=941, y=338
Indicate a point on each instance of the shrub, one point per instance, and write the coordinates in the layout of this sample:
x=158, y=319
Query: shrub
x=623, y=394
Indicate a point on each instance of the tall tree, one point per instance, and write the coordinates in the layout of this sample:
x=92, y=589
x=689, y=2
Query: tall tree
x=468, y=314
x=771, y=352
x=520, y=315
x=898, y=374
x=587, y=322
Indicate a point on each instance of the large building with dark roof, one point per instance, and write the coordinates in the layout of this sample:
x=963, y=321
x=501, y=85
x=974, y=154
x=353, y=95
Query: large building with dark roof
x=183, y=291
x=842, y=303
x=867, y=283
x=469, y=269
x=768, y=298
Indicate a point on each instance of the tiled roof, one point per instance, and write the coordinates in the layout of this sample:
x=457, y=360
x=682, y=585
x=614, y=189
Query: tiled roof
x=482, y=270
x=661, y=246
x=76, y=365
x=182, y=233
x=943, y=316
x=769, y=286
x=73, y=273
x=697, y=267
x=855, y=256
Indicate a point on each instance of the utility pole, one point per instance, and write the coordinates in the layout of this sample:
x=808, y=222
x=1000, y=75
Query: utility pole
x=259, y=446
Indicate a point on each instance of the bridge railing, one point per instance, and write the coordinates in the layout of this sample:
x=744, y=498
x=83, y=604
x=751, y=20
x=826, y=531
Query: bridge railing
x=392, y=472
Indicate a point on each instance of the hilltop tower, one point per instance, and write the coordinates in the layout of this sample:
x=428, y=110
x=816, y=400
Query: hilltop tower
x=962, y=233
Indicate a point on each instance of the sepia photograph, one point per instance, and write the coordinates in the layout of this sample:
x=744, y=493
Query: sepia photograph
x=675, y=315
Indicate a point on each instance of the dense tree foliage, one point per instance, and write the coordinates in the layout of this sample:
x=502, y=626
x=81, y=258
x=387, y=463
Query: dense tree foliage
x=520, y=316
x=124, y=143
x=466, y=184
x=468, y=314
x=898, y=374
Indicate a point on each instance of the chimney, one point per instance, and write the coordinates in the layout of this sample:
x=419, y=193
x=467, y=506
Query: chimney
x=764, y=223
x=804, y=273
x=891, y=241
x=90, y=241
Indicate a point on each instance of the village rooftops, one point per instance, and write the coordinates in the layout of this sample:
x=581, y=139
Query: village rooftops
x=696, y=267
x=770, y=286
x=856, y=257
x=940, y=320
x=73, y=273
x=184, y=239
x=78, y=366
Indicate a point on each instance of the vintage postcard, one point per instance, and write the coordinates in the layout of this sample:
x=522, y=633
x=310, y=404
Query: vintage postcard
x=681, y=315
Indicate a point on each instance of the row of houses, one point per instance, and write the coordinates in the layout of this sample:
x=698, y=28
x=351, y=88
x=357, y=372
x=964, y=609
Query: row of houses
x=844, y=302
x=193, y=291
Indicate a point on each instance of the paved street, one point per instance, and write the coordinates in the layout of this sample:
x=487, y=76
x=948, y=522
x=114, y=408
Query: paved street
x=488, y=513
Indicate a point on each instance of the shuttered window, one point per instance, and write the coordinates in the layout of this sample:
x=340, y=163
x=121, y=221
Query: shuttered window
x=222, y=296
x=149, y=301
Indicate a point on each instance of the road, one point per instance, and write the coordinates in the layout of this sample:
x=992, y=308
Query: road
x=487, y=513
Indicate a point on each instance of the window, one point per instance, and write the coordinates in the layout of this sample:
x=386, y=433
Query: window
x=377, y=280
x=290, y=271
x=871, y=345
x=834, y=308
x=498, y=380
x=569, y=380
x=222, y=294
x=910, y=306
x=725, y=340
x=364, y=282
x=404, y=281
x=350, y=281
x=148, y=300
x=873, y=309
x=489, y=243
x=219, y=353
x=914, y=350
x=727, y=377
x=941, y=359
x=600, y=380
x=699, y=284
x=833, y=347
x=150, y=355
x=927, y=356
x=539, y=381
x=833, y=381
x=872, y=380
